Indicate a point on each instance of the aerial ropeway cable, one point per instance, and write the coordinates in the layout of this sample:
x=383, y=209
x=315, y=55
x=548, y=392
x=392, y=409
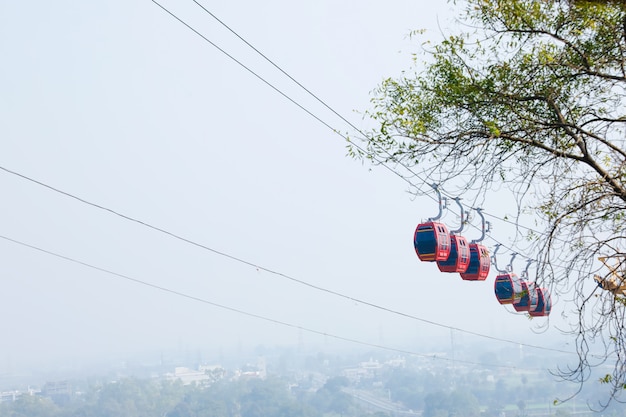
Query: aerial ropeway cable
x=432, y=240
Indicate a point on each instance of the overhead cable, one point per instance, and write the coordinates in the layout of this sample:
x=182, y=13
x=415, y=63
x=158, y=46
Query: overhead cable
x=321, y=101
x=247, y=313
x=262, y=268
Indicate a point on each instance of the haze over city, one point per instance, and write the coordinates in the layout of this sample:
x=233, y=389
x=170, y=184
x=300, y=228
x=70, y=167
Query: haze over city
x=118, y=105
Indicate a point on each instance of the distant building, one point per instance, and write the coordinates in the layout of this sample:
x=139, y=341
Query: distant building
x=204, y=375
x=60, y=392
x=396, y=363
x=9, y=396
x=371, y=365
x=258, y=371
x=366, y=371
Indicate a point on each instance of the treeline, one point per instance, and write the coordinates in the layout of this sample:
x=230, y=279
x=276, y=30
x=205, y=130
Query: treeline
x=441, y=394
x=483, y=394
x=271, y=397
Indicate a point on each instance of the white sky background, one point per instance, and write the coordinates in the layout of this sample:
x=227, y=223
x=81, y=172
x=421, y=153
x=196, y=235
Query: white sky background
x=118, y=103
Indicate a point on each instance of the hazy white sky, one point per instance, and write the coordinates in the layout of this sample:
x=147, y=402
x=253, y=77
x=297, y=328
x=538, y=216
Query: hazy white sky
x=118, y=103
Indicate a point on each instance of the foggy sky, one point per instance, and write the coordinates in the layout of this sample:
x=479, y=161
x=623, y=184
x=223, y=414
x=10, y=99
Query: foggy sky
x=119, y=104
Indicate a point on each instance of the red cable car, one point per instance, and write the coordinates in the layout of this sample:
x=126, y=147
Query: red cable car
x=479, y=264
x=542, y=305
x=530, y=296
x=508, y=286
x=459, y=257
x=479, y=260
x=432, y=239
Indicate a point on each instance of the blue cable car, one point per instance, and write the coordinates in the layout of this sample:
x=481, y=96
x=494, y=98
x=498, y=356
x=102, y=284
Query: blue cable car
x=542, y=305
x=459, y=257
x=432, y=239
x=508, y=288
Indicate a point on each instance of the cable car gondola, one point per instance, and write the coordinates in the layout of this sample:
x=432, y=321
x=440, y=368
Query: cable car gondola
x=479, y=260
x=508, y=286
x=542, y=305
x=432, y=239
x=529, y=292
x=530, y=296
x=459, y=257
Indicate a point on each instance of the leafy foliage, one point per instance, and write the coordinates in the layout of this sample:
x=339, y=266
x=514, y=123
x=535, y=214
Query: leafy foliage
x=456, y=403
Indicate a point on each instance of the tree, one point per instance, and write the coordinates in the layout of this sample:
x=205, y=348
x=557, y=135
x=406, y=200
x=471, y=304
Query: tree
x=404, y=385
x=456, y=403
x=521, y=406
x=436, y=405
x=331, y=398
x=130, y=397
x=463, y=404
x=30, y=406
x=530, y=95
x=271, y=397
